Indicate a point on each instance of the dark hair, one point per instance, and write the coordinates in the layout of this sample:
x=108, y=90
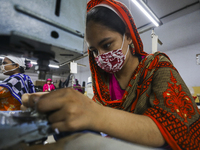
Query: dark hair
x=106, y=17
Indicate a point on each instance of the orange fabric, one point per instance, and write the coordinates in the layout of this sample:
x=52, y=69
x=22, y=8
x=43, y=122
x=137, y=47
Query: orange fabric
x=165, y=133
x=7, y=101
x=176, y=133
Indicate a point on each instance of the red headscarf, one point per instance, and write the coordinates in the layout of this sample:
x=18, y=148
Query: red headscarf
x=127, y=17
x=101, y=91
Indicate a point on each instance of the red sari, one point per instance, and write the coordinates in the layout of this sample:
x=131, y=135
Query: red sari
x=155, y=89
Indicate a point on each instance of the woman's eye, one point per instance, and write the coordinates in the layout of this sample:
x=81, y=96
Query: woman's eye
x=106, y=46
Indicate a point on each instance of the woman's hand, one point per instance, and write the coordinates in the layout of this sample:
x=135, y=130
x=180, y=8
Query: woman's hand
x=30, y=100
x=69, y=109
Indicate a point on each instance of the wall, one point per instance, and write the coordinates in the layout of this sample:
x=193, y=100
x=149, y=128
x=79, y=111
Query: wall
x=83, y=72
x=181, y=42
x=184, y=59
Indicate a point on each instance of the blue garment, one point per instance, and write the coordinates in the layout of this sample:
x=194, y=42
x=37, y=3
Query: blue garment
x=64, y=134
x=18, y=84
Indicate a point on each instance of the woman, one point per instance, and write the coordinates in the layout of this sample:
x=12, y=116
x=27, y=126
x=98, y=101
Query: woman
x=48, y=86
x=13, y=87
x=153, y=106
x=77, y=86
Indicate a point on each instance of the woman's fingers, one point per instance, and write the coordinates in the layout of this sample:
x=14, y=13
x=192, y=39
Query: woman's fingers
x=22, y=107
x=67, y=109
x=29, y=100
x=54, y=100
x=25, y=99
x=57, y=116
x=62, y=126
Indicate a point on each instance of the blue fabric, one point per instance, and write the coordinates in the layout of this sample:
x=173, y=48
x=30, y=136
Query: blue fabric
x=18, y=84
x=64, y=134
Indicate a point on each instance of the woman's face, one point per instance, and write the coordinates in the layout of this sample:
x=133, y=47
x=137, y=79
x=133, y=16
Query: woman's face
x=9, y=66
x=101, y=39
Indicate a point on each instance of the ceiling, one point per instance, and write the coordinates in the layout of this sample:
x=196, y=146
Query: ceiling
x=166, y=10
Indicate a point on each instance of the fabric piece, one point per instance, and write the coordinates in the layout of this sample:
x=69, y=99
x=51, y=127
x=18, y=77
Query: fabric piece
x=155, y=89
x=115, y=90
x=90, y=141
x=7, y=101
x=18, y=84
x=18, y=60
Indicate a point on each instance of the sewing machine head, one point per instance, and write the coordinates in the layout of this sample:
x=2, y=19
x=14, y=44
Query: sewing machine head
x=43, y=31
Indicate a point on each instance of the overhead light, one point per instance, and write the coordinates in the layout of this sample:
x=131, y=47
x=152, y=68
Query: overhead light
x=148, y=12
x=34, y=63
x=53, y=66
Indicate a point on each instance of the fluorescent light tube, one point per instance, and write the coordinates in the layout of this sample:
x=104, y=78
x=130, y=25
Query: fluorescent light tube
x=54, y=66
x=34, y=63
x=145, y=12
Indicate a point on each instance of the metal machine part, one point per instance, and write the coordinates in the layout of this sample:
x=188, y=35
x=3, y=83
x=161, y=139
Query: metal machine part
x=46, y=30
x=22, y=126
x=155, y=41
x=198, y=59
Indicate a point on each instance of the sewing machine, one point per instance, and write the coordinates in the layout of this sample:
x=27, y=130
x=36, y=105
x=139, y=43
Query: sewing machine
x=23, y=126
x=31, y=127
x=44, y=30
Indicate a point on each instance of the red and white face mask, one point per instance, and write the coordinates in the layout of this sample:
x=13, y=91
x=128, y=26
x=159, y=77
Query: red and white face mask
x=112, y=61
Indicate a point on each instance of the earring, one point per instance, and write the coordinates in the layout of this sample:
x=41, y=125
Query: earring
x=132, y=45
x=132, y=48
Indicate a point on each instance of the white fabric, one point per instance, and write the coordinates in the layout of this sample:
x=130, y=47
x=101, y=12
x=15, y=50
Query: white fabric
x=18, y=60
x=49, y=88
x=109, y=7
x=4, y=70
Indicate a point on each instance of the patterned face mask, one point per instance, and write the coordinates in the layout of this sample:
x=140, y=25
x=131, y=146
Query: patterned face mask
x=112, y=61
x=4, y=70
